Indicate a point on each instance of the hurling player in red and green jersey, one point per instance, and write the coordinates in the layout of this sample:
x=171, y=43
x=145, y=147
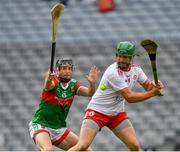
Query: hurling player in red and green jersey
x=48, y=124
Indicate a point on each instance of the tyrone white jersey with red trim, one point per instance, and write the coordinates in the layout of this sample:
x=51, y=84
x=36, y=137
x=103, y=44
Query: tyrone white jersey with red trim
x=106, y=99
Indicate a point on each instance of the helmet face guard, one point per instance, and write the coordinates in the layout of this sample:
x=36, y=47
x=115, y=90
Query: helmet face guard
x=64, y=61
x=125, y=48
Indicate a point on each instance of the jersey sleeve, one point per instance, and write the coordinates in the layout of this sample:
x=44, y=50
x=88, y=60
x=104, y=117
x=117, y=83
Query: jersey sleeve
x=117, y=82
x=141, y=76
x=55, y=81
x=78, y=86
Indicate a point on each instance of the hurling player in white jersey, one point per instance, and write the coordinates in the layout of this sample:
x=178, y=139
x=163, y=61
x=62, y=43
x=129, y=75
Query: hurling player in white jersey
x=106, y=108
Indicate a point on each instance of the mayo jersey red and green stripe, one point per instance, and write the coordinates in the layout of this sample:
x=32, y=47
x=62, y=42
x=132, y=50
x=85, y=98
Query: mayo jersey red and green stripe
x=54, y=106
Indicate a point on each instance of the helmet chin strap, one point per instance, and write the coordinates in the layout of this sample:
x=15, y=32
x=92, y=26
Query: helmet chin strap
x=64, y=80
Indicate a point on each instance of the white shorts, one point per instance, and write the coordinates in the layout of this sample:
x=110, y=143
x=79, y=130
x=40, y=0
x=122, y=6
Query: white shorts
x=56, y=135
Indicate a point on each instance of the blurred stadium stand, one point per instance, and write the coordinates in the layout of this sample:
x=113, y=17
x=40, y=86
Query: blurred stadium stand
x=89, y=37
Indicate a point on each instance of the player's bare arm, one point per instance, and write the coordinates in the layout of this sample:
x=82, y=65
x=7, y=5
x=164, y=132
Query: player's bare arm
x=148, y=85
x=92, y=79
x=49, y=85
x=134, y=97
